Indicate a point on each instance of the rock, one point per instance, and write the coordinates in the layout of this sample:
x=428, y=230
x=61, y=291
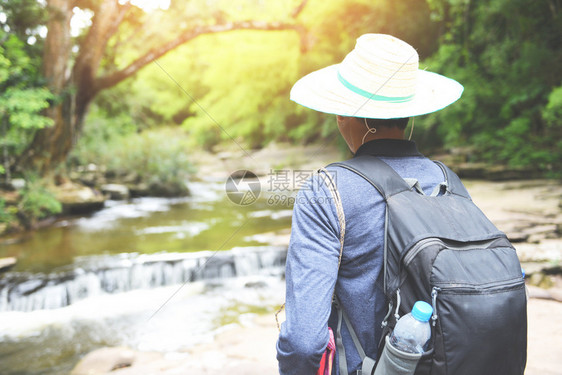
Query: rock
x=547, y=251
x=104, y=360
x=18, y=183
x=11, y=198
x=553, y=294
x=469, y=170
x=556, y=294
x=536, y=292
x=541, y=280
x=130, y=177
x=90, y=179
x=139, y=190
x=517, y=237
x=537, y=267
x=543, y=345
x=492, y=172
x=116, y=191
x=505, y=173
x=255, y=284
x=160, y=189
x=78, y=199
x=7, y=263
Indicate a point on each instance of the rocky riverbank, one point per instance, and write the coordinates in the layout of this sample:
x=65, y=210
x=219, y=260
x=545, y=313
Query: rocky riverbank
x=84, y=192
x=529, y=211
x=85, y=189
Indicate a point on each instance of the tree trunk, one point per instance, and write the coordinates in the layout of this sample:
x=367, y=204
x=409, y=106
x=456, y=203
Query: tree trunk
x=51, y=144
x=76, y=91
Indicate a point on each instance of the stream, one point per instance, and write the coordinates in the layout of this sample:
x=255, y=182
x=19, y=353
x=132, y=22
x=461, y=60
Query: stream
x=148, y=273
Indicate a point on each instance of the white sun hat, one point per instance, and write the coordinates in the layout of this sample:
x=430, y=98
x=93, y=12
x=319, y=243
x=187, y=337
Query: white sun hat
x=380, y=78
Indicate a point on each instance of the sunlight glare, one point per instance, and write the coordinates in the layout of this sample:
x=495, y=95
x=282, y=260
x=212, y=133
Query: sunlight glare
x=81, y=19
x=148, y=5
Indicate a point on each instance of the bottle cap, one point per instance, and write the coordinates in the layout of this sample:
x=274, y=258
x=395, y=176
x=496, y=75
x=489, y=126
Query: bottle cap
x=422, y=311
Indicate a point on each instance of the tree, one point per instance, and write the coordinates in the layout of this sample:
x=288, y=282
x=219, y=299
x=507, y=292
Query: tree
x=116, y=25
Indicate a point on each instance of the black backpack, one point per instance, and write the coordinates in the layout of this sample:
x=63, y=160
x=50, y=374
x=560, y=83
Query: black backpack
x=443, y=250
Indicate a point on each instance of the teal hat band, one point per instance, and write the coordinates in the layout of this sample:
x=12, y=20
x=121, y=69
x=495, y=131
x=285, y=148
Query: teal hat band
x=373, y=96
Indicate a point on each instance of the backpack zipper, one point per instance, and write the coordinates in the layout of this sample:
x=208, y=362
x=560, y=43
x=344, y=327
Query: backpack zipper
x=415, y=250
x=475, y=289
x=411, y=254
x=434, y=292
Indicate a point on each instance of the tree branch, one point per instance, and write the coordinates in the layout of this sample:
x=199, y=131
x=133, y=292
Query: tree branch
x=295, y=13
x=155, y=53
x=107, y=18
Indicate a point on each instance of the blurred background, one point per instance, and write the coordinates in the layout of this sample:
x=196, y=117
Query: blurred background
x=120, y=122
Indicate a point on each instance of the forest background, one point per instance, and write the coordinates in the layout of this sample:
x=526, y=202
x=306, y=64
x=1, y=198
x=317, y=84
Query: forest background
x=136, y=85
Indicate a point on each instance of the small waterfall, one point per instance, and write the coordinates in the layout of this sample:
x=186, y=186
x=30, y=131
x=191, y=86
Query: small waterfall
x=93, y=276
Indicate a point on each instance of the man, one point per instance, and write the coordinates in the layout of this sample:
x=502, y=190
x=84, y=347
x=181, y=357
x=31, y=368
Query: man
x=373, y=92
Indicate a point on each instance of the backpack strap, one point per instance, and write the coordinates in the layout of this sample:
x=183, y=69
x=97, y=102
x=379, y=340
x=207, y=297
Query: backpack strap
x=377, y=173
x=340, y=350
x=368, y=364
x=454, y=184
x=388, y=182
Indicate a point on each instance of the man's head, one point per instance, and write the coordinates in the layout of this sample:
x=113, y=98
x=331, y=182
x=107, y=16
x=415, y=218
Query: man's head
x=356, y=131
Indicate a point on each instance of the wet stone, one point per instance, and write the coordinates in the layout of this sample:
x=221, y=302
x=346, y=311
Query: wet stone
x=104, y=360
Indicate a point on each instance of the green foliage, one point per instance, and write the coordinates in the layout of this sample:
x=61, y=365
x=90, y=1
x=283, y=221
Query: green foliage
x=506, y=55
x=21, y=100
x=552, y=112
x=23, y=17
x=112, y=116
x=334, y=26
x=7, y=215
x=247, y=87
x=36, y=201
x=159, y=157
x=234, y=87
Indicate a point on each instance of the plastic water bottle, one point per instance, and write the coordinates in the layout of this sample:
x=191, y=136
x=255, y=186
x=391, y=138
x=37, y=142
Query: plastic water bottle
x=412, y=331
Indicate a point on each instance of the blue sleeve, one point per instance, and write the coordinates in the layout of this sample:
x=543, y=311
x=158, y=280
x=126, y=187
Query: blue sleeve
x=311, y=273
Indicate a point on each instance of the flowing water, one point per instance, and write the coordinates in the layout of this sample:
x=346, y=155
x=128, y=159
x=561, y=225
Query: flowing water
x=150, y=273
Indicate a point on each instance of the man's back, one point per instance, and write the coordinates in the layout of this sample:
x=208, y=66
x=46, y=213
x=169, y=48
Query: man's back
x=312, y=263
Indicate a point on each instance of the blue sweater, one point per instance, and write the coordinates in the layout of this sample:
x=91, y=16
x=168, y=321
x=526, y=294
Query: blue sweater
x=312, y=260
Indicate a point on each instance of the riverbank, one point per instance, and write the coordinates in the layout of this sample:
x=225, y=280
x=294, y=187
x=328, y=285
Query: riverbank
x=30, y=205
x=529, y=211
x=250, y=350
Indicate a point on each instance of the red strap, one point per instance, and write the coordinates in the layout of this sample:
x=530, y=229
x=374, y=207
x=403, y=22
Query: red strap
x=328, y=356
